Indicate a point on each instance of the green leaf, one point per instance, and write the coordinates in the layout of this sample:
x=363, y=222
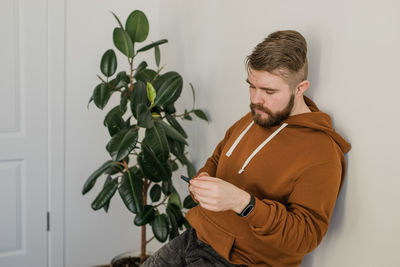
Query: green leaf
x=167, y=187
x=144, y=117
x=139, y=96
x=155, y=115
x=123, y=42
x=169, y=109
x=122, y=143
x=160, y=227
x=152, y=167
x=189, y=203
x=187, y=225
x=114, y=121
x=146, y=167
x=142, y=66
x=118, y=83
x=194, y=95
x=173, y=221
x=137, y=26
x=191, y=171
x=171, y=132
x=169, y=91
x=107, y=181
x=131, y=189
x=146, y=75
x=157, y=55
x=173, y=165
x=115, y=168
x=199, y=113
x=119, y=22
x=155, y=44
x=108, y=64
x=163, y=78
x=175, y=199
x=128, y=123
x=186, y=116
x=177, y=212
x=122, y=76
x=90, y=100
x=176, y=218
x=174, y=123
x=91, y=181
x=151, y=93
x=177, y=149
x=105, y=195
x=155, y=193
x=145, y=216
x=156, y=139
x=101, y=95
x=123, y=104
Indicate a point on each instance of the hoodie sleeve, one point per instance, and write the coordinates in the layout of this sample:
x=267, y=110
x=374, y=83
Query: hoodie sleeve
x=299, y=226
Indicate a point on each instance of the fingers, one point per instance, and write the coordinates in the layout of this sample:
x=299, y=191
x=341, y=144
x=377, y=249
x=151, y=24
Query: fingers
x=211, y=203
x=202, y=174
x=207, y=202
x=204, y=179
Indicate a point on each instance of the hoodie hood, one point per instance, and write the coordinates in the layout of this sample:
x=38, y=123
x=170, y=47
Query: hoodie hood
x=315, y=120
x=320, y=121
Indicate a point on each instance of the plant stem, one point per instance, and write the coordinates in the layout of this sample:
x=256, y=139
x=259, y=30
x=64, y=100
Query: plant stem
x=131, y=75
x=148, y=241
x=157, y=74
x=143, y=243
x=162, y=202
x=182, y=115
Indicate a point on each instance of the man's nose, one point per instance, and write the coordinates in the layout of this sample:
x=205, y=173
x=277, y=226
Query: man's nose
x=257, y=96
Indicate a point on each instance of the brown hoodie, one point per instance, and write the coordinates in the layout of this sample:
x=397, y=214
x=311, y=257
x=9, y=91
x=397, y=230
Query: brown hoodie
x=295, y=175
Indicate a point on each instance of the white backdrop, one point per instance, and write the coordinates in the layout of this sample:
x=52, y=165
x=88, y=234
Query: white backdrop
x=354, y=63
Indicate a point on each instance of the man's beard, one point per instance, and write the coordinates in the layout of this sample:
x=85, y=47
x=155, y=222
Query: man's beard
x=273, y=119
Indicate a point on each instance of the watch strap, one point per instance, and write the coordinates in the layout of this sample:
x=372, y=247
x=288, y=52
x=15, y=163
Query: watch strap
x=249, y=208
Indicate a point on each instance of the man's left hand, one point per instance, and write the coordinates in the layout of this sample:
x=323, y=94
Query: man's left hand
x=218, y=195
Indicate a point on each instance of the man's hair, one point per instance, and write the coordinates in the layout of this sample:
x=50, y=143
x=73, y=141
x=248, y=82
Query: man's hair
x=282, y=53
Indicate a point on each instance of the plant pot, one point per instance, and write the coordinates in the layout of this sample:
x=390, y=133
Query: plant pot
x=126, y=259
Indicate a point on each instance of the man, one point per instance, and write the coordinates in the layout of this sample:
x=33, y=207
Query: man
x=267, y=193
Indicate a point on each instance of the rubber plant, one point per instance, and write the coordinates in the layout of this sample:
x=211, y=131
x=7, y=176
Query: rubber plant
x=146, y=140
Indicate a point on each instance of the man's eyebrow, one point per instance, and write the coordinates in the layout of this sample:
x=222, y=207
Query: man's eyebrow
x=263, y=88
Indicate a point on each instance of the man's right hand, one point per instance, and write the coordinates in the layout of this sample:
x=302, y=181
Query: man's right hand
x=200, y=175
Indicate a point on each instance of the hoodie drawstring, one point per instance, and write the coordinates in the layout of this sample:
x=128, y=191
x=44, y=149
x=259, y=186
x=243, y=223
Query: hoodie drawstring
x=229, y=153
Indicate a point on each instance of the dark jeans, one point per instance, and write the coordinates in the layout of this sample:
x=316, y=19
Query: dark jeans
x=186, y=250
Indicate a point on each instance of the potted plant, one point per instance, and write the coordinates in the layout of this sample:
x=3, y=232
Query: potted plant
x=146, y=140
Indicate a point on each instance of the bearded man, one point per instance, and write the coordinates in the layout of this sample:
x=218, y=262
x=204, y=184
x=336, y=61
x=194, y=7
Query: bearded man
x=267, y=193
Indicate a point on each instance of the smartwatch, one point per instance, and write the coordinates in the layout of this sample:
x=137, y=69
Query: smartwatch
x=246, y=211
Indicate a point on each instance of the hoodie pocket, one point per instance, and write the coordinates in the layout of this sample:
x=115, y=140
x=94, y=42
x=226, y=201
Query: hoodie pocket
x=215, y=236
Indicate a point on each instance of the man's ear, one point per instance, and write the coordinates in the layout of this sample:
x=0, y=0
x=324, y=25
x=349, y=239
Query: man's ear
x=302, y=87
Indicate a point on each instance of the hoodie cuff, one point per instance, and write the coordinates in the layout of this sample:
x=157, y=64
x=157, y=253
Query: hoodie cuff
x=258, y=216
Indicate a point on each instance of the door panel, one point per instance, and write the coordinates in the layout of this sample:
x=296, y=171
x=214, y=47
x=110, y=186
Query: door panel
x=23, y=133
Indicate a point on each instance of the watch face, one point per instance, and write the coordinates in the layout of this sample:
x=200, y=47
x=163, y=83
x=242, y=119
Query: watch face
x=247, y=210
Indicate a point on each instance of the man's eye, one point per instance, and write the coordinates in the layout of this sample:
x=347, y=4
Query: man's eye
x=269, y=92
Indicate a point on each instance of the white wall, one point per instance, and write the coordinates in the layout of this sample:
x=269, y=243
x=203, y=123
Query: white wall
x=354, y=64
x=353, y=58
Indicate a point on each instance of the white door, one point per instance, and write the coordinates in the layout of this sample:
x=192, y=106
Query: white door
x=23, y=133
